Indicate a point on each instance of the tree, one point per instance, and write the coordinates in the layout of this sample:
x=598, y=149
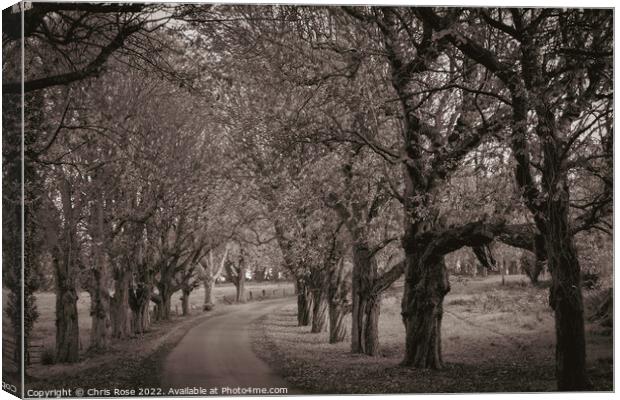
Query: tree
x=65, y=254
x=236, y=269
x=338, y=300
x=358, y=206
x=554, y=49
x=259, y=160
x=100, y=297
x=431, y=149
x=82, y=38
x=64, y=46
x=324, y=262
x=209, y=274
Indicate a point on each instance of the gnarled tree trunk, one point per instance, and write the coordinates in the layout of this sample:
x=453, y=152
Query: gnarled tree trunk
x=185, y=301
x=338, y=304
x=120, y=305
x=365, y=306
x=337, y=328
x=540, y=259
x=163, y=302
x=319, y=311
x=566, y=298
x=141, y=319
x=304, y=303
x=367, y=321
x=98, y=289
x=139, y=302
x=65, y=257
x=99, y=312
x=67, y=328
x=165, y=307
x=422, y=313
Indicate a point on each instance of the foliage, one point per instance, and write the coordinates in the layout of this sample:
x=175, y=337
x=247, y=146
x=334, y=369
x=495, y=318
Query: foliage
x=157, y=140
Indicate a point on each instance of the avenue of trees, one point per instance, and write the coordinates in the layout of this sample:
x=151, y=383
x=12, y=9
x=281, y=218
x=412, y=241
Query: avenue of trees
x=349, y=147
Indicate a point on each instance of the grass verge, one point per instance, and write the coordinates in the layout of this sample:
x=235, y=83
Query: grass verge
x=496, y=338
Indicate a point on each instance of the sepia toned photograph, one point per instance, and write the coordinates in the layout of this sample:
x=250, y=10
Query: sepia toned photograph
x=204, y=199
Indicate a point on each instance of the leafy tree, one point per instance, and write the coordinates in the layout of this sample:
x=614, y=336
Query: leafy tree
x=549, y=49
x=78, y=40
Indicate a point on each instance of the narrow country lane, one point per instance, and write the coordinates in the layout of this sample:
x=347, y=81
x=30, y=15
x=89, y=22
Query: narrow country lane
x=218, y=354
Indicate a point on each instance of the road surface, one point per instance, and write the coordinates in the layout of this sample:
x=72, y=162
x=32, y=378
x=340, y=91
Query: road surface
x=218, y=353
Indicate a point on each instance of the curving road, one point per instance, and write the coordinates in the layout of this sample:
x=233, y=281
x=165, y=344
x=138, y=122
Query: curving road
x=218, y=353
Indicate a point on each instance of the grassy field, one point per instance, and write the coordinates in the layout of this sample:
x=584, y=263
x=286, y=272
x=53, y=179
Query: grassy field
x=45, y=328
x=496, y=338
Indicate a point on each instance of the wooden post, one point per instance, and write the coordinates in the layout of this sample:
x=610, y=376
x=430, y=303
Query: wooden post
x=502, y=267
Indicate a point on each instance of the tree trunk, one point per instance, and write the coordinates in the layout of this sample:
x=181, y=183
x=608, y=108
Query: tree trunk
x=304, y=303
x=185, y=302
x=241, y=286
x=209, y=285
x=139, y=302
x=365, y=309
x=365, y=324
x=99, y=312
x=423, y=309
x=163, y=302
x=120, y=305
x=67, y=328
x=259, y=274
x=337, y=329
x=338, y=290
x=236, y=274
x=141, y=320
x=565, y=298
x=65, y=255
x=533, y=269
x=319, y=311
x=369, y=326
x=165, y=307
x=145, y=318
x=541, y=259
x=98, y=289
